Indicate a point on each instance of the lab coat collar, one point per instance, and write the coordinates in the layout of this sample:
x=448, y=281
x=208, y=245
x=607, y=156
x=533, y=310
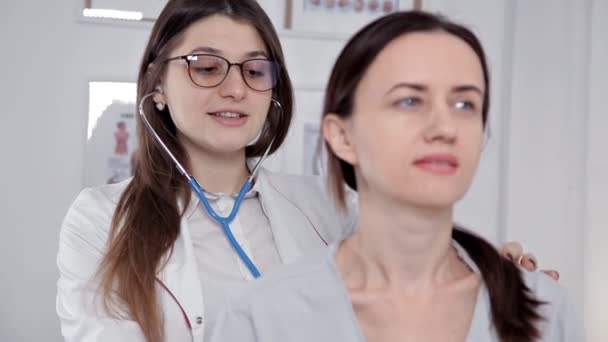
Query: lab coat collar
x=212, y=196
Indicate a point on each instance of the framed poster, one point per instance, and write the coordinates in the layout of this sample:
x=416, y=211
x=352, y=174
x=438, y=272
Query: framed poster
x=339, y=16
x=111, y=133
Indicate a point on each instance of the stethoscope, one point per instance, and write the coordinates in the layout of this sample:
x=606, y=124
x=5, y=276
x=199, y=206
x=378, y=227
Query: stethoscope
x=223, y=221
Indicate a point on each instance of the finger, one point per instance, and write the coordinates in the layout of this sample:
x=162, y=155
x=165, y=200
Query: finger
x=528, y=261
x=511, y=250
x=552, y=273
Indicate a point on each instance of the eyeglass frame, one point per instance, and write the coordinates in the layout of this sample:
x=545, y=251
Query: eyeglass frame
x=189, y=57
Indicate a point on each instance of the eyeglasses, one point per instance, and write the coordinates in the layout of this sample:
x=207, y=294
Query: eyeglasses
x=209, y=71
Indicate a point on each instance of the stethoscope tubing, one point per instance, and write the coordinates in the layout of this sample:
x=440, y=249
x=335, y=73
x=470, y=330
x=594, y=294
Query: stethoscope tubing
x=198, y=189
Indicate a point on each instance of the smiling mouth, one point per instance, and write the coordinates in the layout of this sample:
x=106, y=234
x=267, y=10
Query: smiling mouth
x=229, y=115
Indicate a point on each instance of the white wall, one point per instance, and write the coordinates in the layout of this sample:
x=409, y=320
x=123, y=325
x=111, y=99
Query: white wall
x=596, y=237
x=46, y=61
x=542, y=181
x=547, y=128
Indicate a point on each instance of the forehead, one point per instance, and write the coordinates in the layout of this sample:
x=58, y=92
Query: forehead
x=428, y=58
x=229, y=36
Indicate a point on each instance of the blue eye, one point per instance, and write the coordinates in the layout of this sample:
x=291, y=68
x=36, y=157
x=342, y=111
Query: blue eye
x=466, y=105
x=408, y=102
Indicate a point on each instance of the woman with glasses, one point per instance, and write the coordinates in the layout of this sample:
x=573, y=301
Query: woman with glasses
x=155, y=257
x=404, y=126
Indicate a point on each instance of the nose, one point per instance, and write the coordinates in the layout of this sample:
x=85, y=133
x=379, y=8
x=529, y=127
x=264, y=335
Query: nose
x=233, y=85
x=441, y=126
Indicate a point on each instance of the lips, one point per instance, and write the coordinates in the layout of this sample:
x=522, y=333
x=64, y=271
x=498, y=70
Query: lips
x=229, y=117
x=443, y=164
x=228, y=114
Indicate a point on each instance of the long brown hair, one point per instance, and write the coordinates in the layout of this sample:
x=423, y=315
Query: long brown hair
x=514, y=309
x=146, y=221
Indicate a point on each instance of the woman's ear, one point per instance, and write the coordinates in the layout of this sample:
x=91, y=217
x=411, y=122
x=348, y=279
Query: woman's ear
x=337, y=135
x=159, y=97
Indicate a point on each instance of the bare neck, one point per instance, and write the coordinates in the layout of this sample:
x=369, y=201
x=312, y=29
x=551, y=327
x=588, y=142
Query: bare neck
x=218, y=172
x=399, y=246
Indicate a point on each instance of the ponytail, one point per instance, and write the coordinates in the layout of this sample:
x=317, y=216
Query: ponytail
x=513, y=306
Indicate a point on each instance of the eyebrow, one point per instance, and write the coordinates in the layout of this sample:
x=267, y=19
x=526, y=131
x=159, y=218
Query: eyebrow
x=467, y=88
x=207, y=49
x=422, y=87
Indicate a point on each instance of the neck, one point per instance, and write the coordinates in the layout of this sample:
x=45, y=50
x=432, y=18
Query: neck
x=399, y=246
x=218, y=172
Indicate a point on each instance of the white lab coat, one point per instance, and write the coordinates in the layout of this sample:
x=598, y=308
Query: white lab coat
x=301, y=219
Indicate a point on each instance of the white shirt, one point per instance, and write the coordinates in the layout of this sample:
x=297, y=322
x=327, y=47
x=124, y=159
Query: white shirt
x=222, y=272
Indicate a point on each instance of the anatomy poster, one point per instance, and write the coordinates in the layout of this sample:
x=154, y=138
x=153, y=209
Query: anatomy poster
x=111, y=134
x=339, y=18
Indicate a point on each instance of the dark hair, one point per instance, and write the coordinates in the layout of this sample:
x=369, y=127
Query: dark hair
x=146, y=222
x=514, y=310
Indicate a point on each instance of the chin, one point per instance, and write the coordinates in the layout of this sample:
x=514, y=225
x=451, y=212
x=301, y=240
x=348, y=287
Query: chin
x=436, y=204
x=436, y=200
x=232, y=142
x=231, y=148
x=219, y=147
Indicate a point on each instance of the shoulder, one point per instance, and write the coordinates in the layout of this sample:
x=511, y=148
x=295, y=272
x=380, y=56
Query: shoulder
x=310, y=195
x=545, y=288
x=561, y=320
x=97, y=202
x=107, y=193
x=90, y=215
x=296, y=184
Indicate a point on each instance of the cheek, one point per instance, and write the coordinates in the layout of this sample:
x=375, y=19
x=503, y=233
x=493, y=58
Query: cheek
x=182, y=94
x=472, y=149
x=264, y=106
x=188, y=103
x=383, y=150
